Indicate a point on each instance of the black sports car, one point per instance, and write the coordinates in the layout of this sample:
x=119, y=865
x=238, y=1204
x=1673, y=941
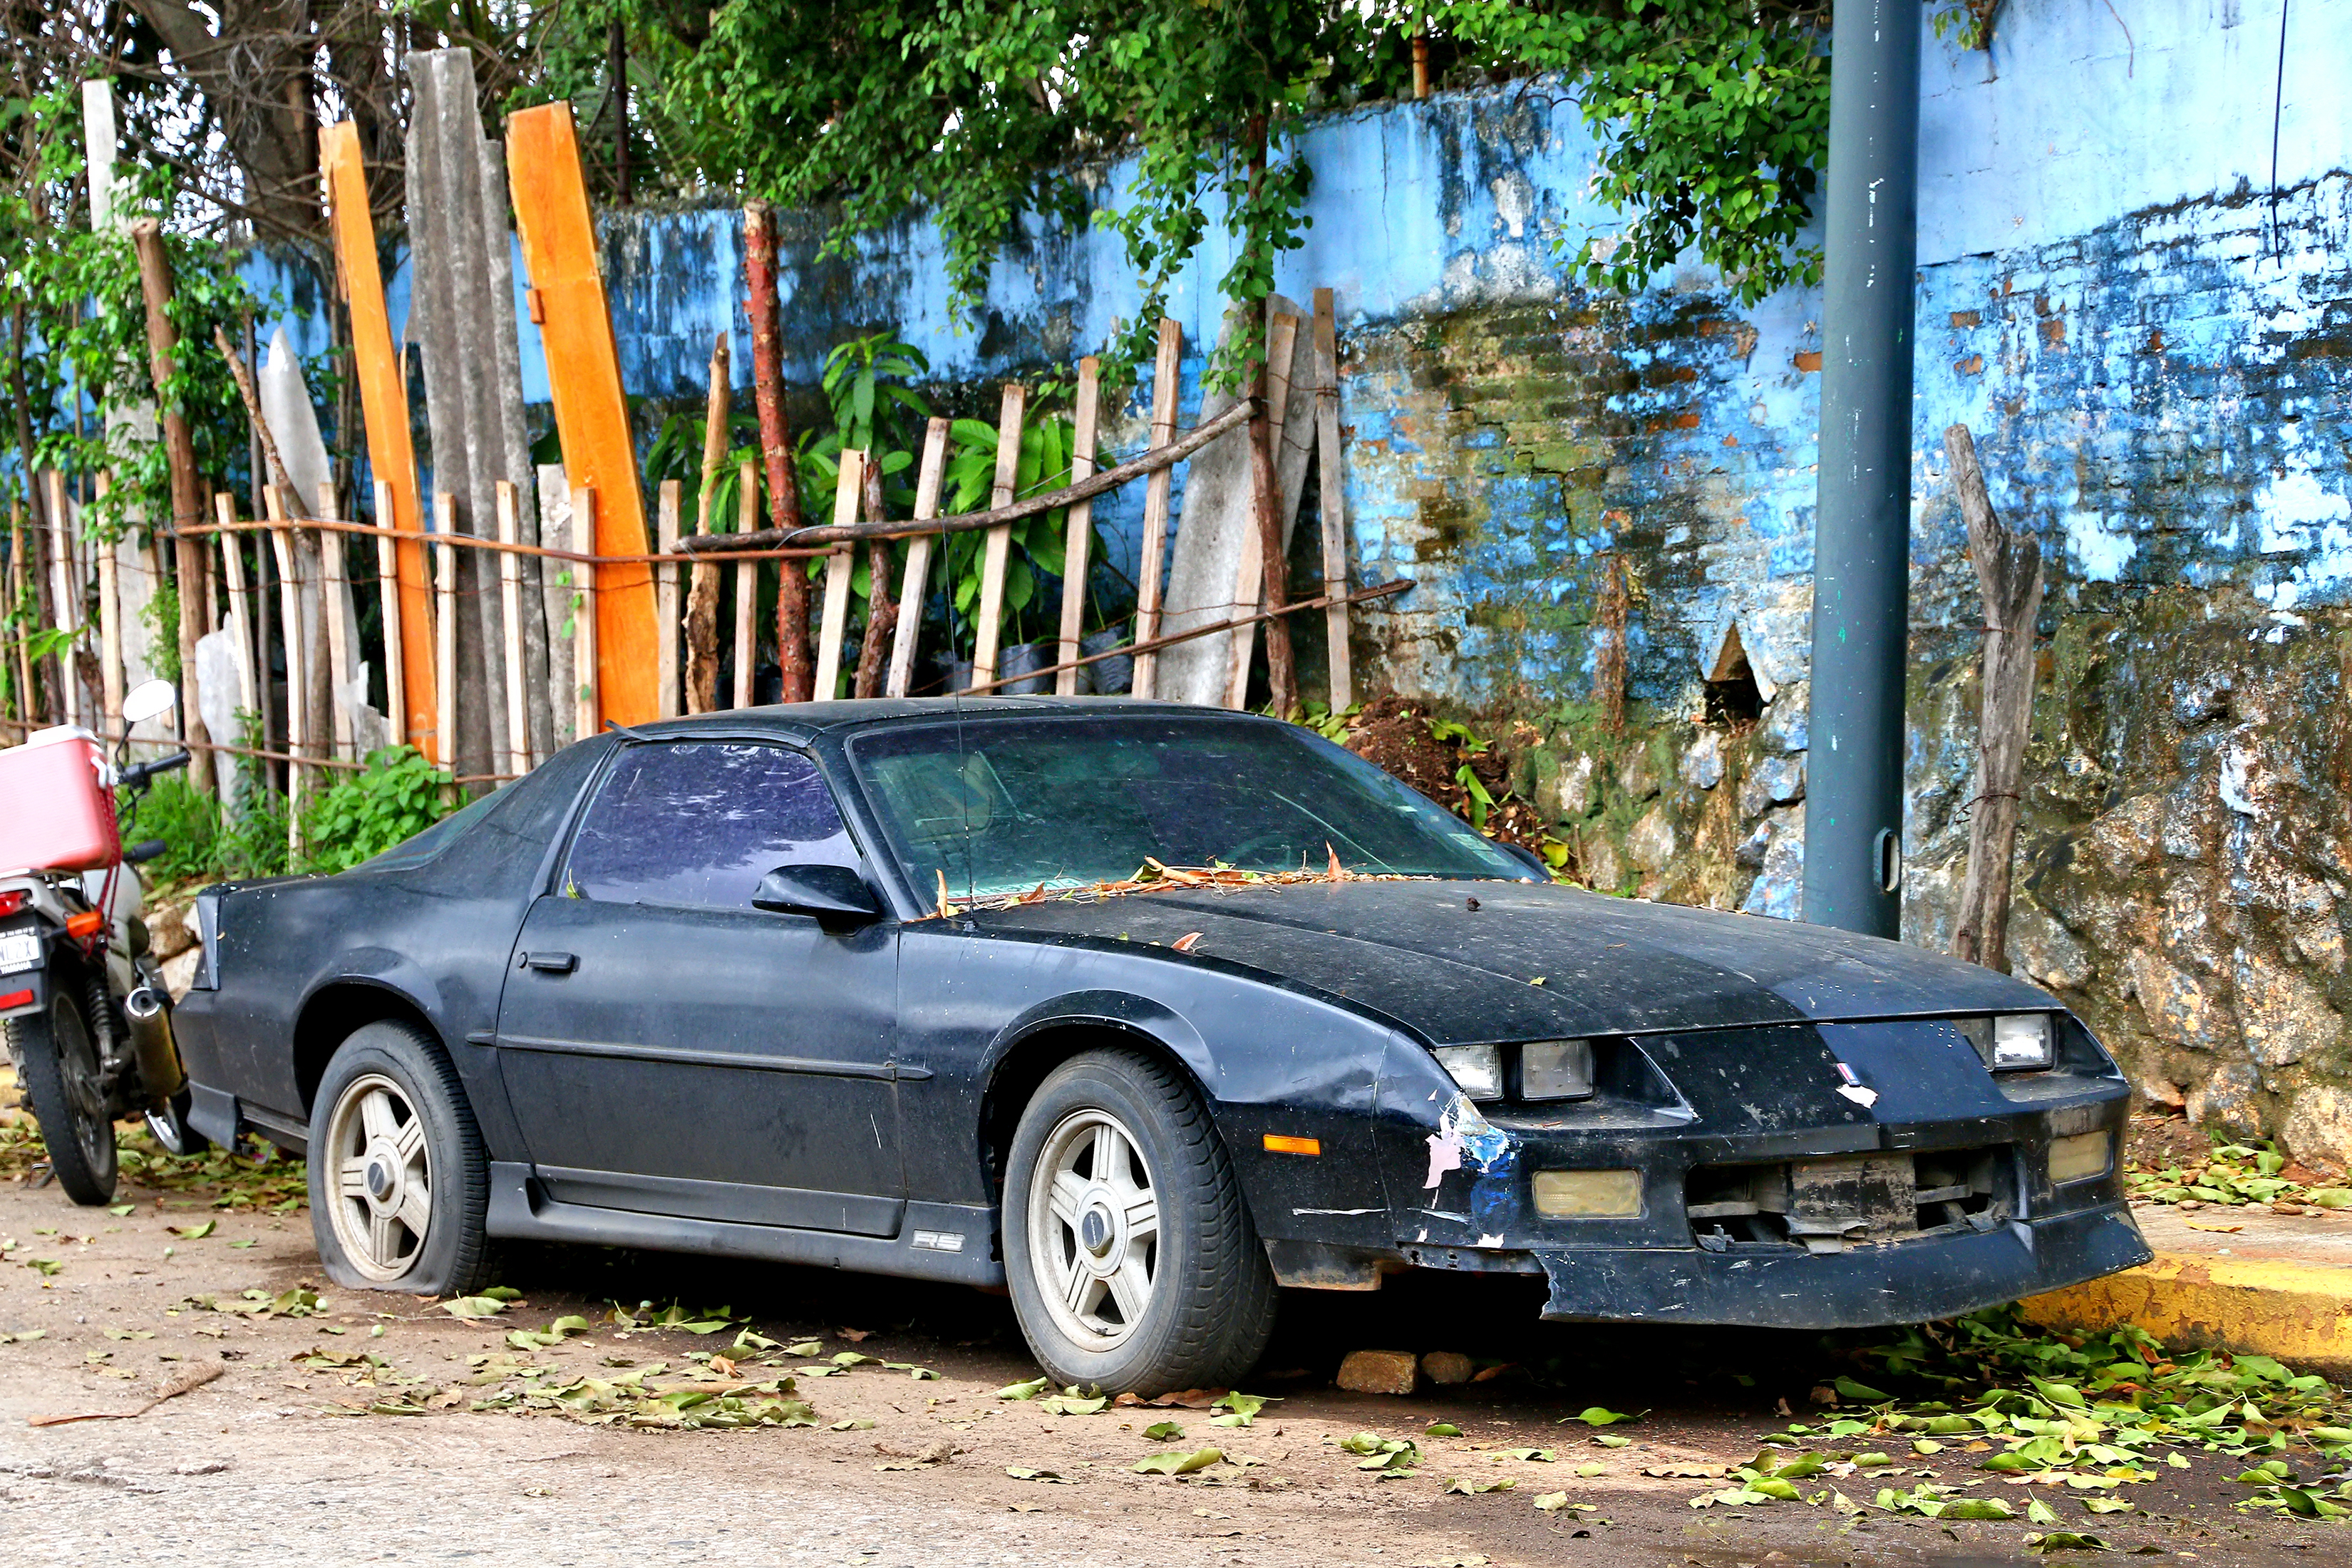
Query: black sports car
x=1139, y=1011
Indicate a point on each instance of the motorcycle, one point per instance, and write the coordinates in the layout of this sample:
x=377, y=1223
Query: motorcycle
x=87, y=1015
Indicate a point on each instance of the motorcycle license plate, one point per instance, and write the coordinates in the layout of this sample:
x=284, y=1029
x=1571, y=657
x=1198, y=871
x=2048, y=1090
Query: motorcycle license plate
x=19, y=950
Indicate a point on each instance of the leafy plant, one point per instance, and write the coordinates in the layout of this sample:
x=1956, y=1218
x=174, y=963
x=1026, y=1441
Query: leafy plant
x=398, y=796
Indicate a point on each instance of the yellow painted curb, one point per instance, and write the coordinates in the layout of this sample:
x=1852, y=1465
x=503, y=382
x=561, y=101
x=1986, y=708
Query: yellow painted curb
x=2300, y=1313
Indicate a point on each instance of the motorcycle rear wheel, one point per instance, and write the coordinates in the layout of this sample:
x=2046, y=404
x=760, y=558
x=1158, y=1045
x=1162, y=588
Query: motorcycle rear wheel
x=61, y=1084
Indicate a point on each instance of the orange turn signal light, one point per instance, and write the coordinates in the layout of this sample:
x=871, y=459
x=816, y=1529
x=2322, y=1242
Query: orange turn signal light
x=1281, y=1143
x=84, y=924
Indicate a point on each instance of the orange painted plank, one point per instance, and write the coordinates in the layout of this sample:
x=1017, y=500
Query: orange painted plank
x=384, y=400
x=592, y=416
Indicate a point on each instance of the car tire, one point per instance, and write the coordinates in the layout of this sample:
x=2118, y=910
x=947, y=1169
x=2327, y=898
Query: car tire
x=58, y=1058
x=1131, y=1259
x=400, y=1184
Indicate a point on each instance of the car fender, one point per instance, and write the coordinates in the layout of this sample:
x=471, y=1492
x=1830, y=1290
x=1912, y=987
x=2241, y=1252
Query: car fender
x=468, y=1041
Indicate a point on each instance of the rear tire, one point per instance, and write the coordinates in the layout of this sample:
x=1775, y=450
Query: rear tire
x=61, y=1084
x=400, y=1184
x=1132, y=1258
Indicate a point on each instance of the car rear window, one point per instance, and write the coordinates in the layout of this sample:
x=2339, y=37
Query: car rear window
x=997, y=806
x=700, y=823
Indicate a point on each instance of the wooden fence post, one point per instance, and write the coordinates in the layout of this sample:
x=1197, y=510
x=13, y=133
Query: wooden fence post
x=590, y=720
x=1260, y=580
x=998, y=550
x=1078, y=539
x=445, y=632
x=702, y=590
x=395, y=646
x=912, y=586
x=1335, y=500
x=840, y=565
x=671, y=498
x=1150, y=577
x=747, y=587
x=240, y=603
x=335, y=566
x=519, y=758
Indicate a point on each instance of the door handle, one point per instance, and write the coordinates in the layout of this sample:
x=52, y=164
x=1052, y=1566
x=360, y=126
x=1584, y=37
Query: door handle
x=552, y=963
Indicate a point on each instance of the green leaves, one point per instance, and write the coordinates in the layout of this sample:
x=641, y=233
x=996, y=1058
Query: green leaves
x=397, y=796
x=1175, y=1464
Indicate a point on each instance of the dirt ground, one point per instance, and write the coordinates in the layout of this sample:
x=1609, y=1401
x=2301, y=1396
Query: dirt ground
x=278, y=1460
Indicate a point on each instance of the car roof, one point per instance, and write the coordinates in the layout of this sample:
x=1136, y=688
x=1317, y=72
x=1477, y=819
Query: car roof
x=806, y=720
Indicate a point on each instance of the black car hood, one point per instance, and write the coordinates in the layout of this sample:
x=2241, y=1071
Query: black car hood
x=1532, y=961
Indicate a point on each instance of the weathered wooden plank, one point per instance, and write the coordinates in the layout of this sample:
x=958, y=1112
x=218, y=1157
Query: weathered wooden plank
x=240, y=606
x=1257, y=576
x=998, y=550
x=298, y=721
x=584, y=371
x=1078, y=533
x=840, y=565
x=518, y=753
x=393, y=613
x=747, y=586
x=587, y=657
x=334, y=600
x=1330, y=480
x=384, y=403
x=444, y=628
x=702, y=592
x=914, y=587
x=1150, y=580
x=666, y=508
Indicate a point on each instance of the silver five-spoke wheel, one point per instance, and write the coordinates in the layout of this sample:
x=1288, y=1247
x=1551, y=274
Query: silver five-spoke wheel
x=384, y=1177
x=1094, y=1228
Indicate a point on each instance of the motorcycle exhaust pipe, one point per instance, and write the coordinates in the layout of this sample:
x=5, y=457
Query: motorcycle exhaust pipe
x=149, y=1012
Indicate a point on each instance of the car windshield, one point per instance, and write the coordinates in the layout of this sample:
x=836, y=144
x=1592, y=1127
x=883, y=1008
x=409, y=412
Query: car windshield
x=999, y=805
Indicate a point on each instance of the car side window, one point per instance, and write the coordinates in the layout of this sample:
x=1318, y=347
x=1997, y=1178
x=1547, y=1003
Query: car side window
x=700, y=822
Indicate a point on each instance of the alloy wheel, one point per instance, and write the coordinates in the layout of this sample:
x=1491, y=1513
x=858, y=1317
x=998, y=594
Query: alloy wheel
x=1094, y=1228
x=383, y=1195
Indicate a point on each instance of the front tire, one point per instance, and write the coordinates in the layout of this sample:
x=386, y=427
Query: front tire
x=399, y=1179
x=69, y=1099
x=1130, y=1255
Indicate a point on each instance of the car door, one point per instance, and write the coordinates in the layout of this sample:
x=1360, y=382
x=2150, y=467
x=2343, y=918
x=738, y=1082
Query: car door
x=668, y=1049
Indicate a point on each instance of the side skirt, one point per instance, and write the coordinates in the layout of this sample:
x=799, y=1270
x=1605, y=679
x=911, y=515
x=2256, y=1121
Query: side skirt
x=952, y=1242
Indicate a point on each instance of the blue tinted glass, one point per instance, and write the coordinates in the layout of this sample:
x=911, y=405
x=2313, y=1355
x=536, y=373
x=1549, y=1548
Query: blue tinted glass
x=701, y=824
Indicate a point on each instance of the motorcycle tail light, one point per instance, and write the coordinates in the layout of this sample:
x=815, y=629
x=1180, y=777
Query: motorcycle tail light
x=15, y=999
x=13, y=899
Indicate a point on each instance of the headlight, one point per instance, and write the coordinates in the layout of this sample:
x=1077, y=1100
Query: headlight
x=1556, y=1069
x=2014, y=1042
x=1477, y=1070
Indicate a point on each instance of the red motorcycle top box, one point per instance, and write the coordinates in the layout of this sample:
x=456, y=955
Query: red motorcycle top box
x=56, y=812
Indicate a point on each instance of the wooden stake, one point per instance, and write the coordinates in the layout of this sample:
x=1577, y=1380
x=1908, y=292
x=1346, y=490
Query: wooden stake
x=2009, y=573
x=289, y=619
x=702, y=593
x=66, y=593
x=240, y=606
x=392, y=591
x=590, y=721
x=913, y=588
x=445, y=632
x=881, y=616
x=335, y=566
x=179, y=457
x=18, y=576
x=665, y=511
x=1260, y=581
x=776, y=443
x=840, y=565
x=1329, y=483
x=1148, y=580
x=1078, y=533
x=109, y=633
x=519, y=757
x=747, y=586
x=999, y=546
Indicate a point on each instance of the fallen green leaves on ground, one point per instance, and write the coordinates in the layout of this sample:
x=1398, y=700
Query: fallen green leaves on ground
x=2055, y=1415
x=255, y=1177
x=2233, y=1175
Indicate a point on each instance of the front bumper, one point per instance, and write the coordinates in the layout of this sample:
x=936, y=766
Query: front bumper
x=1900, y=1282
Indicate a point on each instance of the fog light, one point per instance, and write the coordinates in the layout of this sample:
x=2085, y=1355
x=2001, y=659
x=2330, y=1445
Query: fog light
x=2080, y=1157
x=1477, y=1070
x=1588, y=1194
x=1556, y=1069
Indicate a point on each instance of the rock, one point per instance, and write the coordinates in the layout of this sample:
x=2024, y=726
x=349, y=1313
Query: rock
x=170, y=932
x=1779, y=889
x=1570, y=793
x=1447, y=1368
x=2229, y=1101
x=1378, y=1371
x=2318, y=1130
x=2157, y=1089
x=1702, y=766
x=1749, y=856
x=1637, y=777
x=2280, y=1015
x=2174, y=1004
x=1602, y=869
x=2042, y=950
x=180, y=972
x=1786, y=722
x=1652, y=843
x=1775, y=781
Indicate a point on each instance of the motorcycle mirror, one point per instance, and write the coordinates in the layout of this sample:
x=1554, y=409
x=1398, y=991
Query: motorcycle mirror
x=148, y=700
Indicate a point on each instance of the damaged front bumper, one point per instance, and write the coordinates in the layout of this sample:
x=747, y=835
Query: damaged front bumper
x=1751, y=1187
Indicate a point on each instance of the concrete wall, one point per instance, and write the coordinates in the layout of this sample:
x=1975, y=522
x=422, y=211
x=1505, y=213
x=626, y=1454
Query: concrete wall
x=2150, y=335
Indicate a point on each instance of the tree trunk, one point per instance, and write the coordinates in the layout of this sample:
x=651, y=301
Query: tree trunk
x=2009, y=571
x=881, y=616
x=776, y=449
x=37, y=564
x=702, y=592
x=254, y=75
x=1281, y=664
x=188, y=496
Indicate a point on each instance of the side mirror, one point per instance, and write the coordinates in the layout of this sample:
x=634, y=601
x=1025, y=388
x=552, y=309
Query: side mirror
x=148, y=700
x=836, y=895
